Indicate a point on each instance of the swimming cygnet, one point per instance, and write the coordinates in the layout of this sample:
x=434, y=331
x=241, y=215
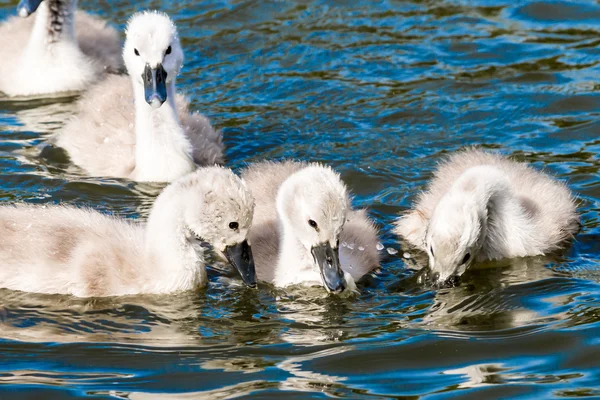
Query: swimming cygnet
x=60, y=50
x=302, y=215
x=482, y=206
x=68, y=250
x=148, y=140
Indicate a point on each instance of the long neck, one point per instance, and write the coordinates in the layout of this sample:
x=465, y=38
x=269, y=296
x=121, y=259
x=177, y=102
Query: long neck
x=483, y=185
x=507, y=227
x=54, y=23
x=294, y=264
x=170, y=248
x=163, y=152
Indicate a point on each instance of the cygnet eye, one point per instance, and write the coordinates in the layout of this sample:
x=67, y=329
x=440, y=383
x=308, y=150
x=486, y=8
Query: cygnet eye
x=466, y=258
x=312, y=223
x=233, y=225
x=137, y=53
x=168, y=50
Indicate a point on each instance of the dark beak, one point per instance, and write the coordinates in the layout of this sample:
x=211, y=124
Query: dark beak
x=328, y=260
x=155, y=85
x=240, y=256
x=27, y=7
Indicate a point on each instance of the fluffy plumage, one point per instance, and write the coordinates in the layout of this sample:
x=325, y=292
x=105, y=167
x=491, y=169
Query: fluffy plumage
x=117, y=133
x=482, y=206
x=287, y=195
x=63, y=249
x=42, y=57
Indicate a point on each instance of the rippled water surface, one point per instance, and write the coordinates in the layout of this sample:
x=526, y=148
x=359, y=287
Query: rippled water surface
x=380, y=90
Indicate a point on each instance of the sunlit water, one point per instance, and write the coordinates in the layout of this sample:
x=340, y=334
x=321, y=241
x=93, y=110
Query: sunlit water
x=381, y=91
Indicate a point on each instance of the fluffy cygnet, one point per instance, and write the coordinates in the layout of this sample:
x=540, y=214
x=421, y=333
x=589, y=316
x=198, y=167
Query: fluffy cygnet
x=482, y=206
x=302, y=215
x=58, y=49
x=137, y=127
x=68, y=250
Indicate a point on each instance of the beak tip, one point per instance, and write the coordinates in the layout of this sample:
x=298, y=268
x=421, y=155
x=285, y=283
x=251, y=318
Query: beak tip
x=155, y=102
x=249, y=281
x=27, y=7
x=338, y=289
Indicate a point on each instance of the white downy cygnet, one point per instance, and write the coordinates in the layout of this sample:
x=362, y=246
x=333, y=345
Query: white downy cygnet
x=482, y=206
x=58, y=49
x=69, y=250
x=136, y=126
x=302, y=215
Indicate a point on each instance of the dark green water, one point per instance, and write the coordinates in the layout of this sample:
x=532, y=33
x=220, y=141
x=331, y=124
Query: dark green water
x=380, y=91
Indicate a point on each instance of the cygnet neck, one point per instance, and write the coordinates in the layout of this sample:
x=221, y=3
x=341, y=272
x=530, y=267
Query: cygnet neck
x=169, y=245
x=54, y=23
x=489, y=190
x=294, y=263
x=163, y=152
x=482, y=185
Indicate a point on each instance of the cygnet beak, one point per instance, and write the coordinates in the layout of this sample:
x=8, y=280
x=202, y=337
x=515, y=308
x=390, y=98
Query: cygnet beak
x=328, y=260
x=240, y=256
x=27, y=7
x=155, y=85
x=447, y=281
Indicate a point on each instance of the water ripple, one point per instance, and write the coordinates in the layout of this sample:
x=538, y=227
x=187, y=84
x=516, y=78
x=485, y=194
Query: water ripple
x=380, y=91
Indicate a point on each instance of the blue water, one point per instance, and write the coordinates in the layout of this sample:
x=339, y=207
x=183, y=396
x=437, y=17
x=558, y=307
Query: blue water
x=381, y=91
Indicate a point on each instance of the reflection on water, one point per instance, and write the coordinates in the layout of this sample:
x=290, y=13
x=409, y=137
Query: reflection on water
x=44, y=116
x=491, y=298
x=480, y=375
x=381, y=91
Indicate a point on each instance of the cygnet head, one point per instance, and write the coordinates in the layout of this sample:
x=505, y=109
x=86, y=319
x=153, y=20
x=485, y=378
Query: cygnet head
x=152, y=54
x=312, y=203
x=453, y=236
x=217, y=209
x=27, y=7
